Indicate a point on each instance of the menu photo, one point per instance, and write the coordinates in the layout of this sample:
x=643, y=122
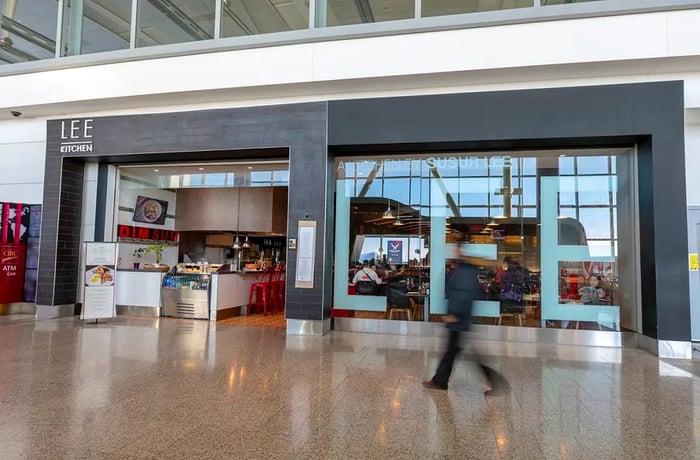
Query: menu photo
x=150, y=210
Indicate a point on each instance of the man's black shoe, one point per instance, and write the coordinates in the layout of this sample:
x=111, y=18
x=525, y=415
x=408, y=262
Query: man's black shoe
x=434, y=386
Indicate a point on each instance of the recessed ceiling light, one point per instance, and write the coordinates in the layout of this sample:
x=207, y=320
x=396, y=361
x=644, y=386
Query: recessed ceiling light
x=562, y=155
x=201, y=169
x=156, y=170
x=250, y=167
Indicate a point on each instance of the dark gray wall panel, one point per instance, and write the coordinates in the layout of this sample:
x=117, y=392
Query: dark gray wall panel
x=297, y=130
x=650, y=114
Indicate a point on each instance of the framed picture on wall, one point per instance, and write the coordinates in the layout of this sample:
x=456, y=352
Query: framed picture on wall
x=150, y=210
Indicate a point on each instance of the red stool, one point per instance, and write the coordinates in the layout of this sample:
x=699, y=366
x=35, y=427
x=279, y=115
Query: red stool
x=262, y=292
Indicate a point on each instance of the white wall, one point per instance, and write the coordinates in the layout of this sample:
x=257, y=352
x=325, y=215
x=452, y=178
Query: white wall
x=128, y=194
x=692, y=163
x=22, y=159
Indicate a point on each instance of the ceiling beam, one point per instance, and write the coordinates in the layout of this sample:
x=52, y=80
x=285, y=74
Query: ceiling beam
x=28, y=34
x=181, y=19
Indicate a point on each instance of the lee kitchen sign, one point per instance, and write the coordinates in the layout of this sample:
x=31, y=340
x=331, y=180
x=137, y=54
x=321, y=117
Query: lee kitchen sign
x=76, y=135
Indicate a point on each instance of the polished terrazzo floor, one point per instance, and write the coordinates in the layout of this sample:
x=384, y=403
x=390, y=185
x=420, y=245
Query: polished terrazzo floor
x=168, y=388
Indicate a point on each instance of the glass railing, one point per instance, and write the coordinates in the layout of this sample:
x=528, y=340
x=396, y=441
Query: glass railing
x=30, y=29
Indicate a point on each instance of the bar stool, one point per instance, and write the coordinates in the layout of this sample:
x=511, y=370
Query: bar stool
x=262, y=292
x=274, y=287
x=278, y=286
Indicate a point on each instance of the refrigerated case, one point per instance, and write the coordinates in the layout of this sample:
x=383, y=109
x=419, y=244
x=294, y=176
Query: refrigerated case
x=186, y=295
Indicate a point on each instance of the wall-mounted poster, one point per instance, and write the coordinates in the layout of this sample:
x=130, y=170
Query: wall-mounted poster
x=150, y=210
x=395, y=252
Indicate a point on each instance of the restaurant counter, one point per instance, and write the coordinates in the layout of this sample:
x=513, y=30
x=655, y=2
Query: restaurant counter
x=138, y=292
x=229, y=293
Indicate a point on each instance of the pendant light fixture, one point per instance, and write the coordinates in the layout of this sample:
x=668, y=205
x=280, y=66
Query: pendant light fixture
x=397, y=222
x=237, y=242
x=246, y=243
x=492, y=223
x=388, y=214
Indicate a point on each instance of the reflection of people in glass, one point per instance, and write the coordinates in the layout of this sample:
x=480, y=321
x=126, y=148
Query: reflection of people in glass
x=592, y=294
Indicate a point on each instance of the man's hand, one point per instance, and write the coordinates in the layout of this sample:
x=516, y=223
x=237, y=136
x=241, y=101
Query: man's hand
x=450, y=319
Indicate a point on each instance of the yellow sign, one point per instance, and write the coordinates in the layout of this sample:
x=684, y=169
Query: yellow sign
x=693, y=262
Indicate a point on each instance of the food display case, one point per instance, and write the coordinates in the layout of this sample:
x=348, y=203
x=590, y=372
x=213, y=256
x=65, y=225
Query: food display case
x=186, y=294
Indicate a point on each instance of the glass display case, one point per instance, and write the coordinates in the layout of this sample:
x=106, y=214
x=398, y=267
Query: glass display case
x=186, y=295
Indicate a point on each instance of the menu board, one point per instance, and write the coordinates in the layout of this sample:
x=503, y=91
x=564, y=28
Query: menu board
x=100, y=275
x=305, y=254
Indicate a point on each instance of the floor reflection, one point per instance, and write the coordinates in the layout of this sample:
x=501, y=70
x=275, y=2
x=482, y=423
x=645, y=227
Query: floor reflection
x=179, y=388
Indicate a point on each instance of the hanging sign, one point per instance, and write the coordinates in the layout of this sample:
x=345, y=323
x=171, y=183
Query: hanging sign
x=306, y=242
x=100, y=275
x=394, y=253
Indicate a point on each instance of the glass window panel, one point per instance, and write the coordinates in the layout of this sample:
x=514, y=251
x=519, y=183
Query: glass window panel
x=474, y=198
x=596, y=222
x=374, y=189
x=566, y=166
x=260, y=176
x=445, y=7
x=349, y=168
x=174, y=21
x=594, y=190
x=529, y=191
x=365, y=168
x=396, y=189
x=446, y=166
x=344, y=12
x=34, y=30
x=592, y=165
x=600, y=248
x=472, y=166
x=359, y=183
x=529, y=212
x=529, y=166
x=416, y=191
x=562, y=2
x=91, y=26
x=476, y=212
x=280, y=176
x=396, y=168
x=215, y=180
x=255, y=17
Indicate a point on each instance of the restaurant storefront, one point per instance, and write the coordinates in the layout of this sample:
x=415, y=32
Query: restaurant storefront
x=555, y=231
x=586, y=197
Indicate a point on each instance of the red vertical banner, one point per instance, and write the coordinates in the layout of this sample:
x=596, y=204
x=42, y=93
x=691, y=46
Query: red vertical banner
x=18, y=222
x=4, y=222
x=12, y=261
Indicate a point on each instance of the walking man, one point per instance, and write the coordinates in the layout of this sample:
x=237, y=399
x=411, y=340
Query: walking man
x=462, y=288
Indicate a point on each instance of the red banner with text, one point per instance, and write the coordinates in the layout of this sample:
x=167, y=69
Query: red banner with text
x=132, y=232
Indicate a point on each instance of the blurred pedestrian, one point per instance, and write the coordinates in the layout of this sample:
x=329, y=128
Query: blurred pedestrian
x=462, y=287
